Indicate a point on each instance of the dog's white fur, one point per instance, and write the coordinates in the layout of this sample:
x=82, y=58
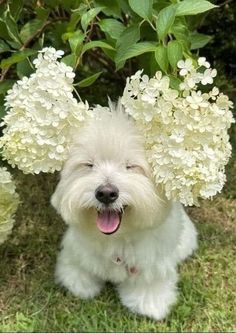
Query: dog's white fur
x=154, y=236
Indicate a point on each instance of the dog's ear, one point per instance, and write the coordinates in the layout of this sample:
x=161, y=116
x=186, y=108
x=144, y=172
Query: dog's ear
x=144, y=168
x=56, y=198
x=58, y=202
x=147, y=170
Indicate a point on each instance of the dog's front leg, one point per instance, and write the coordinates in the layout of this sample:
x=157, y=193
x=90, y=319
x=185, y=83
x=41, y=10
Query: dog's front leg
x=75, y=278
x=152, y=298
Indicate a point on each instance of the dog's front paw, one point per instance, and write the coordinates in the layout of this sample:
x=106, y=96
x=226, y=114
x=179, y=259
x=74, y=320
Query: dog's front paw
x=78, y=282
x=153, y=301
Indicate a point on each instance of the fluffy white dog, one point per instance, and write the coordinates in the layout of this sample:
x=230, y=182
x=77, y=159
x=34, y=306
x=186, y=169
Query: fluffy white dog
x=121, y=227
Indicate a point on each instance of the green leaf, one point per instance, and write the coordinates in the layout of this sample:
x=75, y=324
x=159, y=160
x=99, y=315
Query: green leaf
x=125, y=8
x=23, y=68
x=174, y=82
x=142, y=7
x=162, y=58
x=66, y=36
x=112, y=27
x=135, y=50
x=16, y=57
x=5, y=86
x=153, y=65
x=13, y=45
x=75, y=41
x=148, y=63
x=199, y=40
x=96, y=43
x=53, y=3
x=11, y=26
x=158, y=5
x=89, y=16
x=2, y=114
x=70, y=60
x=3, y=31
x=30, y=28
x=181, y=32
x=174, y=52
x=70, y=4
x=193, y=7
x=164, y=21
x=54, y=35
x=88, y=81
x=111, y=7
x=16, y=8
x=129, y=36
x=109, y=53
x=42, y=13
x=4, y=46
x=75, y=17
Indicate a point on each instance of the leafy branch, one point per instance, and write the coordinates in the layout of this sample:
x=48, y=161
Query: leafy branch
x=119, y=36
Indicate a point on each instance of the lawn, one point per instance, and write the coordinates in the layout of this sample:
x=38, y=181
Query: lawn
x=31, y=301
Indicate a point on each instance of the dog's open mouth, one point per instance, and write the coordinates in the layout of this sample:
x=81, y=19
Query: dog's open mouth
x=108, y=221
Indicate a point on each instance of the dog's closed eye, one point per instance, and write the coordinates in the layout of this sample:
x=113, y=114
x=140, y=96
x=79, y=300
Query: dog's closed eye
x=135, y=168
x=85, y=165
x=88, y=165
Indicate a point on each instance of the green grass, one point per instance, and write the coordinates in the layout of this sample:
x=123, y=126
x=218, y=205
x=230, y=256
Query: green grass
x=31, y=301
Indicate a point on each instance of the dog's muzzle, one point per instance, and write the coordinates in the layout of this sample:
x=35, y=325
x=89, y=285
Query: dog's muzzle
x=107, y=194
x=108, y=219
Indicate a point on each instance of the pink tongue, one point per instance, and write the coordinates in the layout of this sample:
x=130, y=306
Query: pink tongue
x=108, y=221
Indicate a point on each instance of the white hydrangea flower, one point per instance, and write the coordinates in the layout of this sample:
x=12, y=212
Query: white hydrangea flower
x=213, y=93
x=185, y=66
x=9, y=201
x=41, y=113
x=196, y=100
x=186, y=131
x=190, y=81
x=202, y=62
x=208, y=76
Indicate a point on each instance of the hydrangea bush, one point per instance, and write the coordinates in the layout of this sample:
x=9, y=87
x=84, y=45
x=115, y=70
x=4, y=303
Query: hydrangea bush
x=9, y=201
x=185, y=130
x=41, y=113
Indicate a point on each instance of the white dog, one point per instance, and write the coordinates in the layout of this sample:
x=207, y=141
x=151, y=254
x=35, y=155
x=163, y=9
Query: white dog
x=121, y=227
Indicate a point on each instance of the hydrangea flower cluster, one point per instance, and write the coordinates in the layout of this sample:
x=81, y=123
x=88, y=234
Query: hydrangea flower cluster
x=186, y=131
x=41, y=113
x=9, y=201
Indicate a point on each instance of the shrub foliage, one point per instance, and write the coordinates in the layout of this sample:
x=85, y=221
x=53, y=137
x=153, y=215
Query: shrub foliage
x=99, y=36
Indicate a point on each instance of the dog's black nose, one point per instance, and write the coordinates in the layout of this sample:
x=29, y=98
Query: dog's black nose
x=107, y=193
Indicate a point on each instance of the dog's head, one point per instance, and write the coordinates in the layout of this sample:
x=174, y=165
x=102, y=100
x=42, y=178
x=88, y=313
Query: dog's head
x=106, y=181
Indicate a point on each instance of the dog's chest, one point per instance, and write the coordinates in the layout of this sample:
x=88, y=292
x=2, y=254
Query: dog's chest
x=129, y=265
x=120, y=261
